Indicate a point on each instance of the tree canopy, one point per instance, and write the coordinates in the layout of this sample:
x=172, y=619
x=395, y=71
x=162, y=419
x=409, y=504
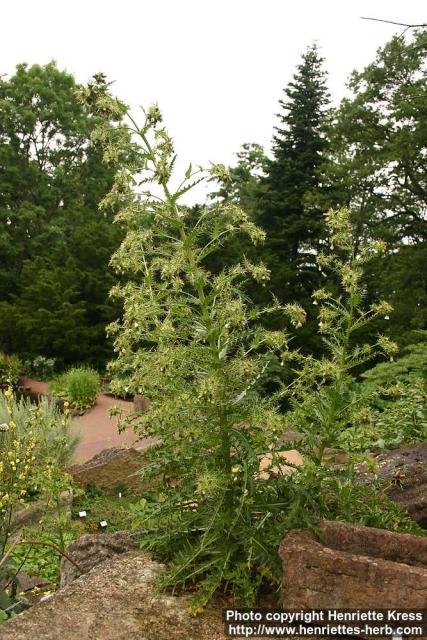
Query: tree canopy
x=54, y=244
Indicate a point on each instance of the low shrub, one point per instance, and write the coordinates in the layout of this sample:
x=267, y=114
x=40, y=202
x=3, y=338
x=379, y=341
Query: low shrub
x=393, y=410
x=334, y=492
x=79, y=386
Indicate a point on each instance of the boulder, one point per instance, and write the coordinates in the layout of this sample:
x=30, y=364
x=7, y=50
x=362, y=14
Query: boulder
x=111, y=470
x=90, y=550
x=405, y=471
x=115, y=600
x=291, y=436
x=353, y=567
x=33, y=512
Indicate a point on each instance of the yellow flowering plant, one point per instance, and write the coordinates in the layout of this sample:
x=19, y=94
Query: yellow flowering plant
x=17, y=468
x=27, y=472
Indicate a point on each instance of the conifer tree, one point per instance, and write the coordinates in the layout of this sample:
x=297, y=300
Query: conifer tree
x=294, y=226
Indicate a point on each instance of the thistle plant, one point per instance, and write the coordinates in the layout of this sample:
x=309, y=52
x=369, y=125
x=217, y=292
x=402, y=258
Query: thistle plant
x=327, y=409
x=190, y=342
x=323, y=399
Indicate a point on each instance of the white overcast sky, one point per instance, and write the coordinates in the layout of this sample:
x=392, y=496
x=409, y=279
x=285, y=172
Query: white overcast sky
x=215, y=67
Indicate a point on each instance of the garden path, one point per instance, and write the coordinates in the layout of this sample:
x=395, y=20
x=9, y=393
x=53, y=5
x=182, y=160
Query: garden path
x=97, y=430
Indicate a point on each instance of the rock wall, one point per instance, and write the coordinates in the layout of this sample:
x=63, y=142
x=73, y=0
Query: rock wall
x=111, y=470
x=353, y=567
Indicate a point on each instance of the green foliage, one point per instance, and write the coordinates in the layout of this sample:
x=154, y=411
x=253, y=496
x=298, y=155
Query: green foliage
x=188, y=337
x=326, y=492
x=240, y=184
x=42, y=559
x=329, y=410
x=79, y=386
x=11, y=605
x=379, y=139
x=117, y=511
x=376, y=165
x=10, y=368
x=54, y=245
x=396, y=416
x=40, y=548
x=299, y=146
x=276, y=194
x=399, y=276
x=40, y=368
x=51, y=428
x=295, y=226
x=18, y=466
x=39, y=553
x=189, y=340
x=394, y=411
x=412, y=364
x=367, y=155
x=322, y=398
